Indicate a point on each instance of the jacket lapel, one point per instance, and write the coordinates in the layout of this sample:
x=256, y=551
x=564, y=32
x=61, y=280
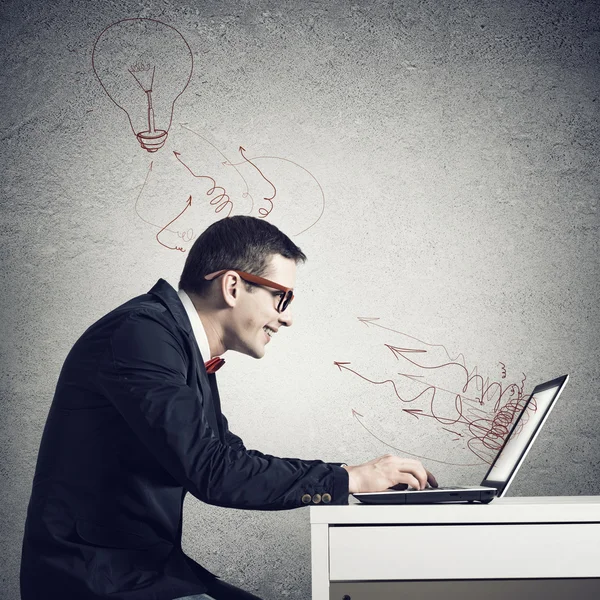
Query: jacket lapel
x=207, y=384
x=212, y=379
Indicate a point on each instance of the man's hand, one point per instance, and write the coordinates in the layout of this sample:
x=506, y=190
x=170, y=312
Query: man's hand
x=388, y=471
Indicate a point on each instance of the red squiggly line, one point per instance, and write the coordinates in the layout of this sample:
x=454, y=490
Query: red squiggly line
x=486, y=431
x=186, y=236
x=401, y=451
x=489, y=434
x=454, y=432
x=341, y=365
x=503, y=370
x=187, y=205
x=370, y=321
x=304, y=169
x=228, y=163
x=263, y=212
x=222, y=196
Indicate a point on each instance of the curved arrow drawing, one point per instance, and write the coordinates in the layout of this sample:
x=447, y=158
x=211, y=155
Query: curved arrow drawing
x=306, y=171
x=371, y=321
x=263, y=212
x=227, y=162
x=428, y=458
x=223, y=195
x=187, y=205
x=186, y=236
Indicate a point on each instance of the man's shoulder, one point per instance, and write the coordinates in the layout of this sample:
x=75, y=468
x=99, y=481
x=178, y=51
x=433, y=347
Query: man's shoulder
x=161, y=307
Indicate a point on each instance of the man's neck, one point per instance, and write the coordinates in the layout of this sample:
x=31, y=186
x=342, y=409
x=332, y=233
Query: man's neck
x=211, y=327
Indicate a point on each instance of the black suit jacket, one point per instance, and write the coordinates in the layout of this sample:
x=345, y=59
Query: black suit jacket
x=136, y=423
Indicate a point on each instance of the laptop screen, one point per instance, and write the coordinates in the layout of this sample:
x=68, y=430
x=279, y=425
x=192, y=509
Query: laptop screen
x=522, y=434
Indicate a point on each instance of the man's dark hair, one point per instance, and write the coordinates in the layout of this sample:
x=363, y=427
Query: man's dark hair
x=239, y=243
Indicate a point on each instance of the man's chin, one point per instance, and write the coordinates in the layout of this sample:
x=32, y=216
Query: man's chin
x=254, y=353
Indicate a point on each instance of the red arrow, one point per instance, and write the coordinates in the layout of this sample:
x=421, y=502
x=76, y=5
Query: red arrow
x=222, y=197
x=342, y=365
x=287, y=160
x=367, y=320
x=226, y=162
x=399, y=351
x=339, y=364
x=371, y=321
x=187, y=205
x=400, y=451
x=413, y=411
x=263, y=212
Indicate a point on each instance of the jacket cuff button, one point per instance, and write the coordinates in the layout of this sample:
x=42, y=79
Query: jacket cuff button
x=316, y=498
x=326, y=498
x=306, y=499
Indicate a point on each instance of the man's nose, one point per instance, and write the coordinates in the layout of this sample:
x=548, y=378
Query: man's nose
x=285, y=317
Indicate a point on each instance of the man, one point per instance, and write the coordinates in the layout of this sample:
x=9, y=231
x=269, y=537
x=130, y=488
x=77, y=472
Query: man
x=136, y=423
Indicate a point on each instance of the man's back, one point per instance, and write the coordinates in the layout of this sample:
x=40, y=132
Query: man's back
x=104, y=515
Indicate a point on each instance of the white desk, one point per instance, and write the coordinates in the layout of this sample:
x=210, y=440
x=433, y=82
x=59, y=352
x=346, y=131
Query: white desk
x=535, y=548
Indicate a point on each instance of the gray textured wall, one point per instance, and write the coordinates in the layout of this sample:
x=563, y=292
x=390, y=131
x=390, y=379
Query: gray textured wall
x=457, y=147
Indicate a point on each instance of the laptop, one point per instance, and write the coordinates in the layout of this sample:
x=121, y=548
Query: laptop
x=504, y=467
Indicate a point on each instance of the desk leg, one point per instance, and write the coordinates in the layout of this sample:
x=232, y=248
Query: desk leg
x=320, y=561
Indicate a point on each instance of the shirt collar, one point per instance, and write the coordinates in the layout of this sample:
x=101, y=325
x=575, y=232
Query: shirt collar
x=197, y=327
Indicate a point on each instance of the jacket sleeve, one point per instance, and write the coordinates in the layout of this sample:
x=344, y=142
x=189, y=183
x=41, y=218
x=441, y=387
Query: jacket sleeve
x=236, y=442
x=145, y=377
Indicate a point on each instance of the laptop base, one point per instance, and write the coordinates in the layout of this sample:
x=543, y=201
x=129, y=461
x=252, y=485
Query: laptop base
x=427, y=497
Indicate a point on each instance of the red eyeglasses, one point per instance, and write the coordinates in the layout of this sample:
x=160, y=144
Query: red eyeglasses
x=286, y=296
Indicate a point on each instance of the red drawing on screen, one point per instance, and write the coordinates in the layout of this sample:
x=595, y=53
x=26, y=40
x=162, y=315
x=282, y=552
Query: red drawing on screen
x=144, y=66
x=187, y=205
x=479, y=412
x=222, y=200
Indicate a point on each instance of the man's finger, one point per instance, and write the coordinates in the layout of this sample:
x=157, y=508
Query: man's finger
x=431, y=480
x=399, y=486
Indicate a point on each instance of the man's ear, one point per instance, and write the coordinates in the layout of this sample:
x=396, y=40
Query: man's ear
x=230, y=288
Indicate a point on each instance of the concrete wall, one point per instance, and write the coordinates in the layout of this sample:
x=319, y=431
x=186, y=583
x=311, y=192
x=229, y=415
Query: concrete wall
x=437, y=162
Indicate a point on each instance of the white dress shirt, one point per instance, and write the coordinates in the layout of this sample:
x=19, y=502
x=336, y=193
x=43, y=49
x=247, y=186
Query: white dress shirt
x=197, y=327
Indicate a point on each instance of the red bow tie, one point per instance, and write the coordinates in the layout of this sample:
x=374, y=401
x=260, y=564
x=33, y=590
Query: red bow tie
x=214, y=364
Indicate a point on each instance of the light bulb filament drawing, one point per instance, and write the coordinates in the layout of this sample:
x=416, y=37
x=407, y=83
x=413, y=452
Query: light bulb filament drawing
x=151, y=139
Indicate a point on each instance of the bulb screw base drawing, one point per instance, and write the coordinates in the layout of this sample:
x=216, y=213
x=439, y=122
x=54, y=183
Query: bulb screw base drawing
x=152, y=140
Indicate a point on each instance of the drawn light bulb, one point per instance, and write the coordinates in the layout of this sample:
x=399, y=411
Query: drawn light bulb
x=144, y=65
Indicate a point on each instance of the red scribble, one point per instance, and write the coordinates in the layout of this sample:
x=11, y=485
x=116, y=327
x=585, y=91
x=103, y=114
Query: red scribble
x=484, y=420
x=254, y=158
x=222, y=198
x=263, y=212
x=226, y=162
x=186, y=236
x=187, y=205
x=503, y=370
